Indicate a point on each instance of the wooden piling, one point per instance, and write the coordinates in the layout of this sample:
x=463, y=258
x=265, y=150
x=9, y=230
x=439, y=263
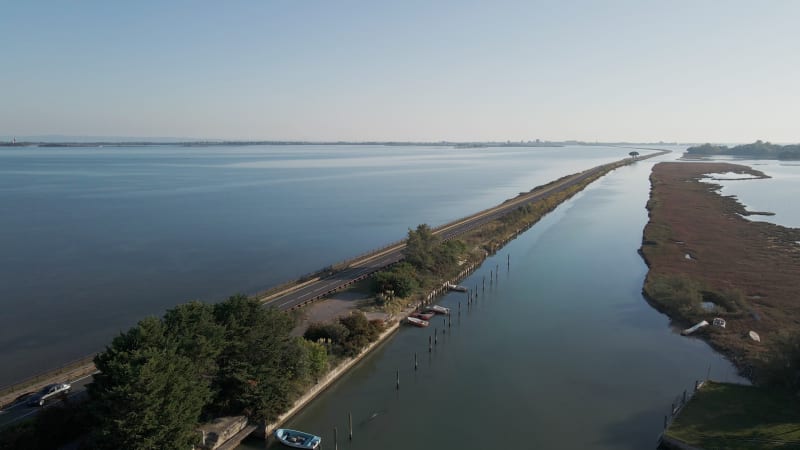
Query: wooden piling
x=398, y=379
x=335, y=438
x=350, y=417
x=435, y=336
x=430, y=346
x=416, y=364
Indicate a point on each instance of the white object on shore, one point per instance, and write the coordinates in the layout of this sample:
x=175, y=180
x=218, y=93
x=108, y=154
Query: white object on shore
x=754, y=336
x=718, y=322
x=691, y=330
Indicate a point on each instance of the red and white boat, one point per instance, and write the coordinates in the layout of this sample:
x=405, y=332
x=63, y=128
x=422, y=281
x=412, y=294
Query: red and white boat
x=423, y=315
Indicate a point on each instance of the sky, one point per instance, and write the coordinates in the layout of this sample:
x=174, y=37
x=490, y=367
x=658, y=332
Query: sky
x=638, y=71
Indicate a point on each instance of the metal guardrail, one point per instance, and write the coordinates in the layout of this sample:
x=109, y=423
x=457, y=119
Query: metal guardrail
x=52, y=373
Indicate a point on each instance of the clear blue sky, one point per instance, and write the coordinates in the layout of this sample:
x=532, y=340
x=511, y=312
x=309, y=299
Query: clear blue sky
x=720, y=71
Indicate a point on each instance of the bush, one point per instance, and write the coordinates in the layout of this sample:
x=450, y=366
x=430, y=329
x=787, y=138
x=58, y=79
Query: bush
x=676, y=293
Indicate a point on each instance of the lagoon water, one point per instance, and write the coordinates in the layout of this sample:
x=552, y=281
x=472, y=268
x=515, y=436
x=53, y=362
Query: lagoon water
x=562, y=353
x=776, y=194
x=94, y=239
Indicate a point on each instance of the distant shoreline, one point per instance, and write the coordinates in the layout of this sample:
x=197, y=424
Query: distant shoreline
x=455, y=144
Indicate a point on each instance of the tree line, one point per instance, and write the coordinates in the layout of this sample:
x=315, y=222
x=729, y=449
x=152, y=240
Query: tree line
x=162, y=378
x=758, y=149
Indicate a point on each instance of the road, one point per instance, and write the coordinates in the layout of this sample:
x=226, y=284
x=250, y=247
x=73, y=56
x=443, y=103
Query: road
x=364, y=267
x=20, y=410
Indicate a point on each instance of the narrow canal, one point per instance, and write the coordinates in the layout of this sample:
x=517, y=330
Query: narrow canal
x=561, y=352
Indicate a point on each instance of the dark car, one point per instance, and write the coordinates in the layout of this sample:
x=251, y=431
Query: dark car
x=48, y=392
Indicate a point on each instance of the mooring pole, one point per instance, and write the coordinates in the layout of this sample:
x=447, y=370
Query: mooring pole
x=335, y=438
x=398, y=379
x=430, y=346
x=415, y=361
x=350, y=417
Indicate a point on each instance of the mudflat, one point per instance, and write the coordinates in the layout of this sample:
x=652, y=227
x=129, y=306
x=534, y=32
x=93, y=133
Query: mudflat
x=707, y=260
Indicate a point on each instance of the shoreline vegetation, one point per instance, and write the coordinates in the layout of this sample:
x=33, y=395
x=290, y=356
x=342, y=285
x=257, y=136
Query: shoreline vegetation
x=236, y=357
x=758, y=149
x=707, y=261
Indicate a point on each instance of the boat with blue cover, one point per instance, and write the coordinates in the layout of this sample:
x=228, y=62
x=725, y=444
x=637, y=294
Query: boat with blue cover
x=297, y=439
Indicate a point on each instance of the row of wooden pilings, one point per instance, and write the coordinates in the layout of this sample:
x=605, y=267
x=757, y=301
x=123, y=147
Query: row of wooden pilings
x=472, y=296
x=679, y=403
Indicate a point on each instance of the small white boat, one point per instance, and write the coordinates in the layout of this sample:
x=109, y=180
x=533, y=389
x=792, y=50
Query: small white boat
x=417, y=322
x=455, y=287
x=691, y=330
x=297, y=439
x=439, y=309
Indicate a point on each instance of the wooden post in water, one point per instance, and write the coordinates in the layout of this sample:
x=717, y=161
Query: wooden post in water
x=665, y=422
x=350, y=417
x=484, y=283
x=415, y=361
x=449, y=321
x=398, y=379
x=335, y=438
x=684, y=397
x=509, y=260
x=430, y=346
x=435, y=336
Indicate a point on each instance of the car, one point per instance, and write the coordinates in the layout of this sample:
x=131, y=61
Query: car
x=48, y=392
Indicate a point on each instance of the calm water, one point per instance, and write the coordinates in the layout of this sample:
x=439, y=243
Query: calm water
x=94, y=239
x=777, y=194
x=562, y=353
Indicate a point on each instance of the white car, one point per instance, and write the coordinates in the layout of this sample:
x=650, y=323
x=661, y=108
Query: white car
x=48, y=392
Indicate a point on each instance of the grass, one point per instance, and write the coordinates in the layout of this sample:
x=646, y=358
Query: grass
x=732, y=416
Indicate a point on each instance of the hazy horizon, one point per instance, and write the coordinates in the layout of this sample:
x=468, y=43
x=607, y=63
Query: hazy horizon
x=364, y=71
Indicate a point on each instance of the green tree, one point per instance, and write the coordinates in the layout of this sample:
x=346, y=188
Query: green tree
x=257, y=364
x=401, y=278
x=197, y=335
x=419, y=247
x=447, y=254
x=147, y=394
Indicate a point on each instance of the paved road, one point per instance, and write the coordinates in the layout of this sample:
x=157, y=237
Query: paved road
x=362, y=268
x=21, y=410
